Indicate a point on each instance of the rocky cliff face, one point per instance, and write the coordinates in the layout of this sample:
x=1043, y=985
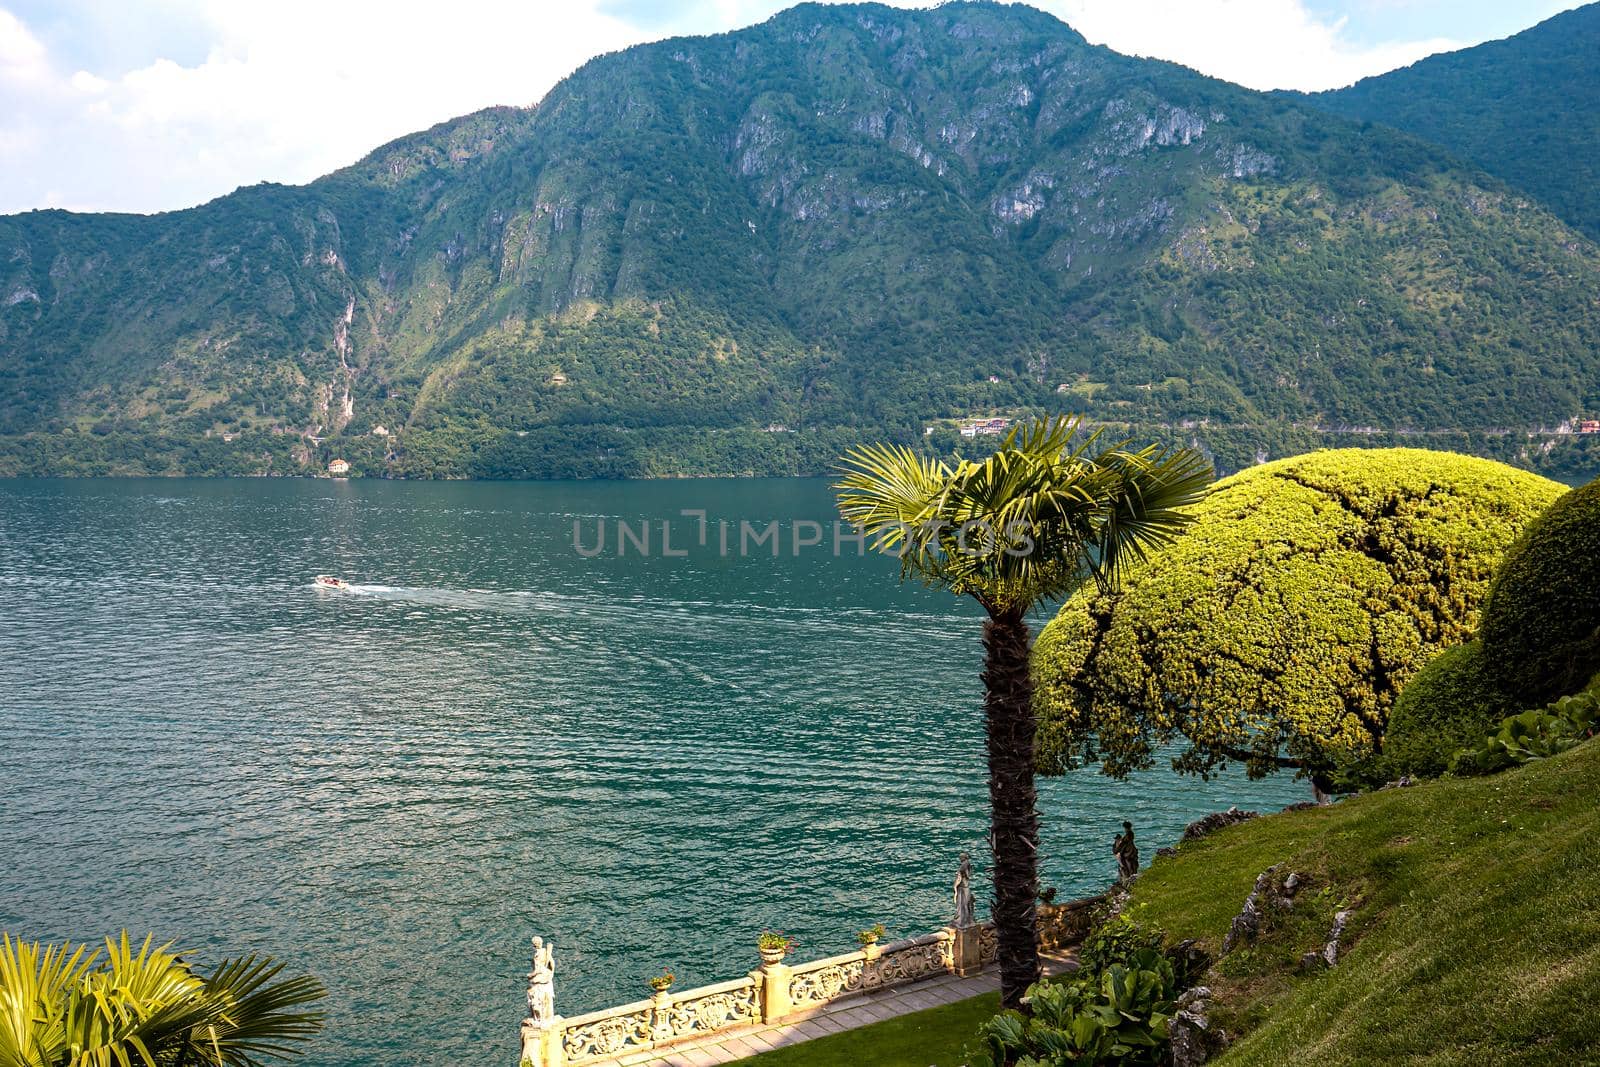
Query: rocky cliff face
x=850, y=217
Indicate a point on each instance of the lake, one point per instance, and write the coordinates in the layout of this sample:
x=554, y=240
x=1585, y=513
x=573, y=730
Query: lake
x=494, y=735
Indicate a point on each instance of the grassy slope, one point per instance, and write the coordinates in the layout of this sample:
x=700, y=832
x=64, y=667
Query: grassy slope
x=1476, y=936
x=1478, y=920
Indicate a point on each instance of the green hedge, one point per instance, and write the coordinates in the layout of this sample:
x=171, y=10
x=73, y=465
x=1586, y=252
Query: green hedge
x=1282, y=625
x=1451, y=704
x=1541, y=620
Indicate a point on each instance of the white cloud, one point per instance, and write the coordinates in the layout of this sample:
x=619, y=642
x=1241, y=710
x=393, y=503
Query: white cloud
x=22, y=56
x=288, y=91
x=1265, y=44
x=294, y=89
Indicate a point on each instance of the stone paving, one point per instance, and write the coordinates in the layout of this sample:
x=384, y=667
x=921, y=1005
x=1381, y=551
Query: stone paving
x=862, y=1010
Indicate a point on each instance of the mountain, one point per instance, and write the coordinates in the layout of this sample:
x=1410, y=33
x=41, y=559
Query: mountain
x=1526, y=109
x=745, y=252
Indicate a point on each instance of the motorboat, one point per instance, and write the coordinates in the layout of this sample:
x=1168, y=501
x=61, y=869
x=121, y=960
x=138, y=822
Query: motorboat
x=328, y=581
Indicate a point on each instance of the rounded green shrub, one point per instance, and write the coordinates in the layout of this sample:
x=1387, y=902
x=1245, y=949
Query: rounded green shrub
x=1541, y=620
x=1451, y=704
x=1278, y=630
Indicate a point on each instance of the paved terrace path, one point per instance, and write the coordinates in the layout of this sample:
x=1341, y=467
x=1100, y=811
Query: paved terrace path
x=861, y=1010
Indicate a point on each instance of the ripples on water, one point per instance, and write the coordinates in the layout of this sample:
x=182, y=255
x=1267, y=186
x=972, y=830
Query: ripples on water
x=648, y=760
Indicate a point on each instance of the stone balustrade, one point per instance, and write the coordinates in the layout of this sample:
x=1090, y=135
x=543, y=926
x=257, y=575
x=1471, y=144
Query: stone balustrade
x=1065, y=925
x=772, y=993
x=645, y=1024
x=824, y=981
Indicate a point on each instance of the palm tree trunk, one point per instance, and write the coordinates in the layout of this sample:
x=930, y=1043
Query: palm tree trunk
x=1014, y=822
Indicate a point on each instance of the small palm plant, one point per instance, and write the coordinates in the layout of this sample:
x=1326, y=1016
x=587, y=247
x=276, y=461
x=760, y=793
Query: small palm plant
x=65, y=1006
x=1029, y=524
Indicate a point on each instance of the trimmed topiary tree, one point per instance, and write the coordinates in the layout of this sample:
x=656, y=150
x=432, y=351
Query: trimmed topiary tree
x=1450, y=704
x=1541, y=620
x=1278, y=631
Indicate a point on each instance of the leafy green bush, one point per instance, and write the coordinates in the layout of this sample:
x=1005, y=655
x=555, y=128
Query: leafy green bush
x=1535, y=734
x=1278, y=630
x=1541, y=619
x=1119, y=939
x=1114, y=1009
x=1450, y=704
x=1116, y=1016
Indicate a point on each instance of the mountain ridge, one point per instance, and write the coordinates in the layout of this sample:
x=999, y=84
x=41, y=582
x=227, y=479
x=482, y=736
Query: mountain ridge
x=1525, y=107
x=844, y=221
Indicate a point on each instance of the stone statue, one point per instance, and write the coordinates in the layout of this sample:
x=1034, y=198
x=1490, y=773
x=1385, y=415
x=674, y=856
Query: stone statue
x=1127, y=853
x=964, y=904
x=542, y=983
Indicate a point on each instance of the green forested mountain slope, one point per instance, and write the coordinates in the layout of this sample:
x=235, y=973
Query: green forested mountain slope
x=1526, y=109
x=845, y=221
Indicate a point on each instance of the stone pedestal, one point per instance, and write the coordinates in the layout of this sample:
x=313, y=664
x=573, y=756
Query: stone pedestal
x=774, y=979
x=541, y=1045
x=966, y=953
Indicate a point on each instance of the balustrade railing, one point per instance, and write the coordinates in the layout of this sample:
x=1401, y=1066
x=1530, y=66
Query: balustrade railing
x=772, y=993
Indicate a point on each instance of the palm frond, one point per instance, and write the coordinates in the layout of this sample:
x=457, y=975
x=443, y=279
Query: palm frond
x=1149, y=490
x=33, y=980
x=258, y=1015
x=63, y=1006
x=1050, y=510
x=892, y=494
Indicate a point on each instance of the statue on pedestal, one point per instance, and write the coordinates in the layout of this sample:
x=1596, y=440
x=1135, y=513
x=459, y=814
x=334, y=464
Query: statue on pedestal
x=1127, y=853
x=542, y=984
x=963, y=894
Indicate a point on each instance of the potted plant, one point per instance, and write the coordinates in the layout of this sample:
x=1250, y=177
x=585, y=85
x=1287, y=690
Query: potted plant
x=663, y=981
x=774, y=945
x=871, y=935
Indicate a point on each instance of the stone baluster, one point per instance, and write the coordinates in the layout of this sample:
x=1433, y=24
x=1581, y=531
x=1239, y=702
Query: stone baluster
x=541, y=1030
x=660, y=1020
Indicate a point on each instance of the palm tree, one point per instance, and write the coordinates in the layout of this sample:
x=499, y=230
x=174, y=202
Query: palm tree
x=1029, y=524
x=64, y=1006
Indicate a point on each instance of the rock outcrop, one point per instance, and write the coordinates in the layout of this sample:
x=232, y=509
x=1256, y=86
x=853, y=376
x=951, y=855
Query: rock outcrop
x=1194, y=1039
x=1217, y=820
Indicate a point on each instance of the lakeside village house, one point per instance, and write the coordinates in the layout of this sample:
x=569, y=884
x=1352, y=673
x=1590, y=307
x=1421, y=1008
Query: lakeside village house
x=338, y=467
x=984, y=427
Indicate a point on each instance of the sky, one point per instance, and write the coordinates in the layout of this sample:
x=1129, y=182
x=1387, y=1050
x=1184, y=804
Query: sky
x=153, y=105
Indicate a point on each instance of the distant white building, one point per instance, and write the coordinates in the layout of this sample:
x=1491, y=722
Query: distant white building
x=338, y=467
x=984, y=427
x=380, y=431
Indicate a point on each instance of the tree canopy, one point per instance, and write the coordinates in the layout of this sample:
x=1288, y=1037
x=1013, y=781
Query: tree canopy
x=1279, y=629
x=1049, y=508
x=1541, y=621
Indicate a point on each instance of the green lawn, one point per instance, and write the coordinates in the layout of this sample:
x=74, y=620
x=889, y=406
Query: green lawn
x=1476, y=937
x=933, y=1038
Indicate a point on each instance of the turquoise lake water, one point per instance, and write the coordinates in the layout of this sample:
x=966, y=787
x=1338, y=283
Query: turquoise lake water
x=646, y=759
